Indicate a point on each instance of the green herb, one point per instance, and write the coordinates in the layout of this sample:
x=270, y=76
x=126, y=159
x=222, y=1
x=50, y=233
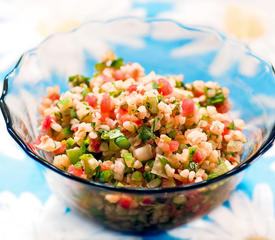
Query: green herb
x=172, y=134
x=148, y=176
x=99, y=67
x=97, y=172
x=179, y=84
x=111, y=134
x=137, y=176
x=213, y=175
x=122, y=142
x=163, y=161
x=67, y=131
x=160, y=98
x=155, y=85
x=117, y=63
x=129, y=159
x=151, y=163
x=106, y=176
x=218, y=98
x=193, y=166
x=145, y=133
x=58, y=115
x=153, y=128
x=76, y=80
x=93, y=124
x=78, y=165
x=192, y=151
x=231, y=126
x=72, y=112
x=112, y=146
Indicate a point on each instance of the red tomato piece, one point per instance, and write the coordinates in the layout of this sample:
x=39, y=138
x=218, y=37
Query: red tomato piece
x=75, y=171
x=132, y=88
x=60, y=150
x=135, y=74
x=173, y=146
x=54, y=97
x=147, y=200
x=165, y=87
x=47, y=123
x=119, y=75
x=106, y=104
x=223, y=107
x=125, y=201
x=197, y=156
x=232, y=159
x=38, y=140
x=95, y=144
x=226, y=131
x=138, y=122
x=187, y=106
x=91, y=100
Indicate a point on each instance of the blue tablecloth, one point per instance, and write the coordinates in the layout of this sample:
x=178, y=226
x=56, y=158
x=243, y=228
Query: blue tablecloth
x=28, y=210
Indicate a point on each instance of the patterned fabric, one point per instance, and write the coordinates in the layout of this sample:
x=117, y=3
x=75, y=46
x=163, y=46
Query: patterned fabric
x=28, y=209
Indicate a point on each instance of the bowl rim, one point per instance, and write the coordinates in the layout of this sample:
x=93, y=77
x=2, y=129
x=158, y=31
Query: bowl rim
x=148, y=191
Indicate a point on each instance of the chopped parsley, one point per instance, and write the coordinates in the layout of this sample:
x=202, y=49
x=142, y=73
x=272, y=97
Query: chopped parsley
x=145, y=133
x=231, y=126
x=117, y=63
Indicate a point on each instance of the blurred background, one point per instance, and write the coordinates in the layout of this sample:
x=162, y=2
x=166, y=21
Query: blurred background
x=27, y=208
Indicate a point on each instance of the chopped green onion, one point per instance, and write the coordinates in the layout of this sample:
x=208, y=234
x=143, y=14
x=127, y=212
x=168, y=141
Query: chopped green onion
x=163, y=161
x=152, y=105
x=74, y=155
x=129, y=159
x=137, y=176
x=122, y=142
x=153, y=128
x=193, y=166
x=151, y=163
x=160, y=98
x=93, y=124
x=117, y=63
x=148, y=176
x=218, y=98
x=112, y=134
x=231, y=126
x=67, y=131
x=69, y=143
x=172, y=134
x=106, y=176
x=213, y=175
x=192, y=151
x=112, y=146
x=145, y=133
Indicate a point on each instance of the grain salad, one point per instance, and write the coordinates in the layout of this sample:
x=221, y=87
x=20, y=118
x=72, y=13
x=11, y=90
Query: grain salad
x=130, y=129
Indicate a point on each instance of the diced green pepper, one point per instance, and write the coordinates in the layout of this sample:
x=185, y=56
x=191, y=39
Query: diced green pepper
x=78, y=165
x=106, y=176
x=137, y=176
x=192, y=151
x=67, y=131
x=112, y=146
x=74, y=155
x=129, y=159
x=154, y=183
x=148, y=176
x=152, y=105
x=69, y=143
x=145, y=133
x=231, y=126
x=122, y=142
x=213, y=175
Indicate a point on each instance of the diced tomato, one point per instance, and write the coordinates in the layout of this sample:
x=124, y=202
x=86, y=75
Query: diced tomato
x=223, y=107
x=60, y=150
x=47, y=123
x=207, y=127
x=54, y=97
x=173, y=146
x=232, y=159
x=38, y=140
x=75, y=171
x=125, y=201
x=147, y=200
x=119, y=75
x=106, y=78
x=91, y=100
x=226, y=131
x=187, y=106
x=95, y=144
x=106, y=104
x=197, y=156
x=122, y=111
x=138, y=122
x=198, y=93
x=104, y=166
x=132, y=88
x=165, y=87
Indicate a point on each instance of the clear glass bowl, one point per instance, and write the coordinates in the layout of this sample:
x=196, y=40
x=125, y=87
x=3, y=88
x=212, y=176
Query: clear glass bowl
x=166, y=47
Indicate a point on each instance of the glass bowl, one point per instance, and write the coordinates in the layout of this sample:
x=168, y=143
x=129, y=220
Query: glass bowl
x=166, y=47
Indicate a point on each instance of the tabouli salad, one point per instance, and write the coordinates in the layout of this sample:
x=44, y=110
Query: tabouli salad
x=126, y=128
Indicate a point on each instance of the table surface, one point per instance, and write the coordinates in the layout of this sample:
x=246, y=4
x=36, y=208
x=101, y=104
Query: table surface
x=28, y=209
